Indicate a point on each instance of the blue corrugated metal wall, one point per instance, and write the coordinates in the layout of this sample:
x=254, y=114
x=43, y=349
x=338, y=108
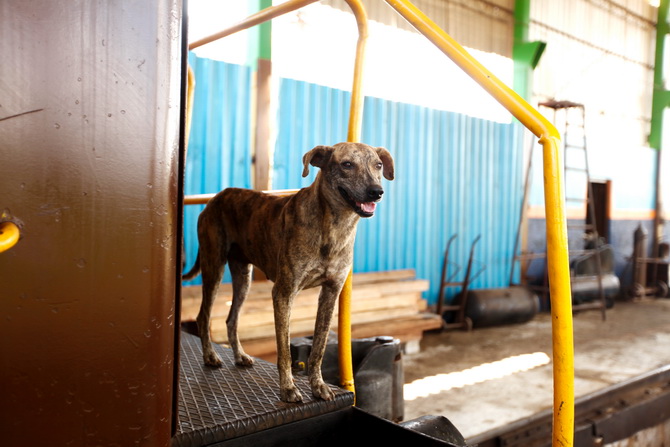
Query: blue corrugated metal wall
x=454, y=175
x=219, y=150
x=309, y=115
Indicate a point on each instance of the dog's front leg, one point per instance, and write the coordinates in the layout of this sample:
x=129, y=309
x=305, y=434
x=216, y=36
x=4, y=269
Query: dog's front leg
x=241, y=274
x=324, y=315
x=282, y=298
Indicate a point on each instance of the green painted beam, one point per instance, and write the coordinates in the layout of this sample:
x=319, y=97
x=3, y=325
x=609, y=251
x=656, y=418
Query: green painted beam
x=526, y=55
x=661, y=96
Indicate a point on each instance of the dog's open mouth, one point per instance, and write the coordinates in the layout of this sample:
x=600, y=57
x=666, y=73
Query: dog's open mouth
x=363, y=209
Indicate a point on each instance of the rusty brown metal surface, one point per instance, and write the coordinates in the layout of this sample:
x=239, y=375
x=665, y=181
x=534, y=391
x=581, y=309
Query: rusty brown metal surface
x=89, y=125
x=216, y=404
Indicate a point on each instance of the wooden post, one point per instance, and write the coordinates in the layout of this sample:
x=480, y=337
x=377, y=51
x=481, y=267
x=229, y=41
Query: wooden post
x=262, y=136
x=260, y=57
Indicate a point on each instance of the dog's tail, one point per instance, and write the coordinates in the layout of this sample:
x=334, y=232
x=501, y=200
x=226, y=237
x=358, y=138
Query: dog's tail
x=195, y=270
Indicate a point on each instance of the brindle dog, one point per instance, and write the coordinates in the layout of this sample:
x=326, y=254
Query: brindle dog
x=299, y=241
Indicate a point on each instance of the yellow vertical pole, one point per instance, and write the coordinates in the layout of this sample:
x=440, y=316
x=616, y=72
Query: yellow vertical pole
x=344, y=337
x=557, y=246
x=561, y=296
x=353, y=134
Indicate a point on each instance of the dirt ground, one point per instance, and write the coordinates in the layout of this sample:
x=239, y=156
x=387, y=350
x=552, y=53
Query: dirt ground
x=634, y=339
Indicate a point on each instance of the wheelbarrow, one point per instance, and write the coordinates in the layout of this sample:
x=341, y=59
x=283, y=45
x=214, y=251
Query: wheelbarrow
x=453, y=314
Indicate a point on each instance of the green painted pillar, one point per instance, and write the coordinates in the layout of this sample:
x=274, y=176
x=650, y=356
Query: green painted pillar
x=660, y=101
x=661, y=96
x=260, y=37
x=526, y=55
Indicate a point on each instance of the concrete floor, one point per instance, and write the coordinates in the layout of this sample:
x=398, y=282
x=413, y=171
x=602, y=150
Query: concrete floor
x=634, y=339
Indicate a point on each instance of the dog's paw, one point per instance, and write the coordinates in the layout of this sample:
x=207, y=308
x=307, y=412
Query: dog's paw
x=244, y=360
x=290, y=394
x=322, y=391
x=212, y=359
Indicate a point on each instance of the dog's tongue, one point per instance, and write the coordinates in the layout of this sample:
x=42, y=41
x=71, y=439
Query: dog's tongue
x=368, y=207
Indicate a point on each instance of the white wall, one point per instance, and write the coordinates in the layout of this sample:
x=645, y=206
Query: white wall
x=600, y=54
x=317, y=44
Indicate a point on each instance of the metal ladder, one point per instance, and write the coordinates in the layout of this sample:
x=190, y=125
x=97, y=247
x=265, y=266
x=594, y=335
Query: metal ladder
x=573, y=174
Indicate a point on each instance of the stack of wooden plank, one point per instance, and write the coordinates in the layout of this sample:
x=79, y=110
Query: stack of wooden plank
x=383, y=303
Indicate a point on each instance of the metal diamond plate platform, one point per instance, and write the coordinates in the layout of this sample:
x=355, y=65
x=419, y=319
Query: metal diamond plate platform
x=217, y=404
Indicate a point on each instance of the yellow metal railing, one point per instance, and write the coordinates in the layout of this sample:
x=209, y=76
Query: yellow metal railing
x=353, y=134
x=253, y=20
x=557, y=245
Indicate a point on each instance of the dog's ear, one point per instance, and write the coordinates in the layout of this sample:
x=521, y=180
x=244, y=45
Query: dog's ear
x=387, y=160
x=318, y=157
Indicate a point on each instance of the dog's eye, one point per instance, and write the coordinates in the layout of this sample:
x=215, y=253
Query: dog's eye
x=347, y=165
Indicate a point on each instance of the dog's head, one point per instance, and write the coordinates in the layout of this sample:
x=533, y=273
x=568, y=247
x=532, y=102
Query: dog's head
x=354, y=170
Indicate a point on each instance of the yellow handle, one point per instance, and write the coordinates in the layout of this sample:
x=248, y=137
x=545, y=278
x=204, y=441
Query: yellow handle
x=9, y=235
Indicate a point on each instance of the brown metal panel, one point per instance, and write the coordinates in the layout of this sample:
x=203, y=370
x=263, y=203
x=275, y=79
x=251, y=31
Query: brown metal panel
x=87, y=297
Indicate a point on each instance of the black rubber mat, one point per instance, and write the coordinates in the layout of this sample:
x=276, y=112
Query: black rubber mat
x=216, y=404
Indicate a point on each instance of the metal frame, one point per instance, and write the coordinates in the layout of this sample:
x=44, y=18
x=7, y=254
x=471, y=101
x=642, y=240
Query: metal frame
x=557, y=237
x=557, y=241
x=459, y=307
x=353, y=134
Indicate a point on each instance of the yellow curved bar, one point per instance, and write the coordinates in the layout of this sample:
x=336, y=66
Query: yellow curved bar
x=525, y=113
x=9, y=235
x=561, y=296
x=557, y=247
x=357, y=99
x=353, y=134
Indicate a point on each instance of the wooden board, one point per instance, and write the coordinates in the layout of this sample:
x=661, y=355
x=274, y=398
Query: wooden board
x=383, y=303
x=266, y=286
x=260, y=297
x=404, y=329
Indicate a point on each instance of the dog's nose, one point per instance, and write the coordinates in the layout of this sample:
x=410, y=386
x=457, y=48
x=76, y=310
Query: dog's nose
x=375, y=192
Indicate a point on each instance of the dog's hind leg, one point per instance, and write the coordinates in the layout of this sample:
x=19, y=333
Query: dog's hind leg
x=241, y=273
x=212, y=260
